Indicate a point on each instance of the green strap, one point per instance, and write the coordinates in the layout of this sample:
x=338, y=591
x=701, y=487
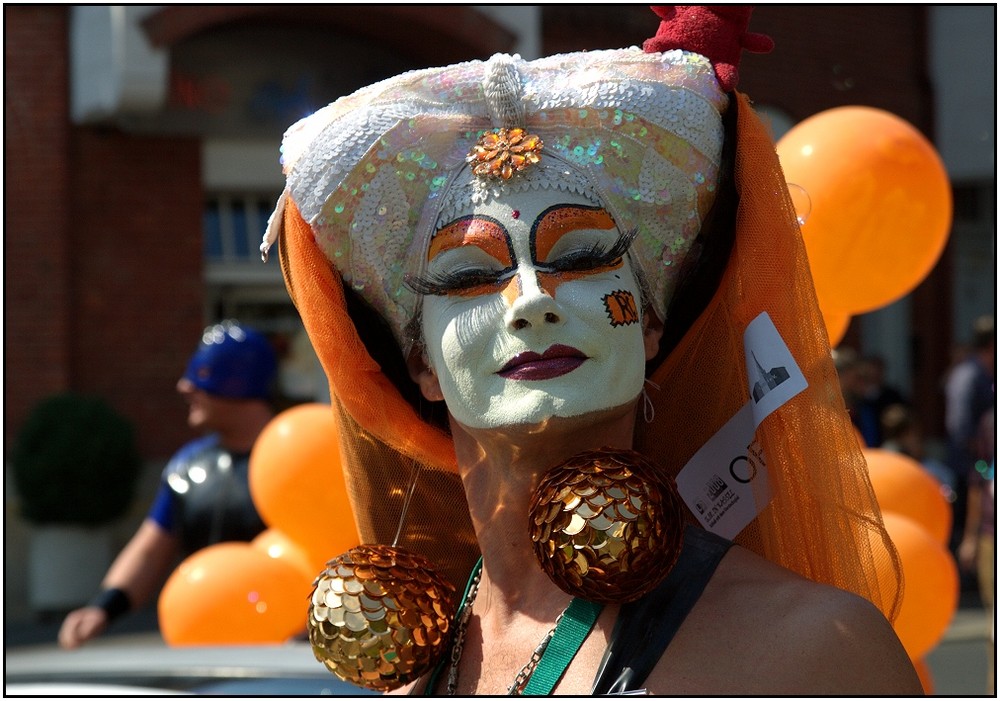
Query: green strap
x=572, y=630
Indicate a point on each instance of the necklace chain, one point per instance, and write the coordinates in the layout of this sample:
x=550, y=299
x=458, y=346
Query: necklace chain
x=463, y=622
x=522, y=678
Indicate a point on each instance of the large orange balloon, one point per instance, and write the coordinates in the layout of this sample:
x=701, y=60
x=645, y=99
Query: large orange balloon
x=880, y=204
x=297, y=483
x=903, y=486
x=930, y=588
x=233, y=594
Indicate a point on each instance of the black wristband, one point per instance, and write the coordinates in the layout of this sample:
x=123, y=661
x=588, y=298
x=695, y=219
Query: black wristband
x=114, y=602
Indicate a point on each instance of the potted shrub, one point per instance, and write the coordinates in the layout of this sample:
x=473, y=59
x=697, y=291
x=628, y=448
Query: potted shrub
x=75, y=467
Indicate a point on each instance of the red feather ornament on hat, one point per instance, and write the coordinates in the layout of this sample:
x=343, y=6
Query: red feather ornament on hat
x=718, y=32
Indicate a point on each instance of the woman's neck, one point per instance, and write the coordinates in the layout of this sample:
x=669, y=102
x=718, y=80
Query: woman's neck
x=500, y=470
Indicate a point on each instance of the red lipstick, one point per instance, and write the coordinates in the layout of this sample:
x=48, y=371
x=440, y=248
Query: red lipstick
x=557, y=360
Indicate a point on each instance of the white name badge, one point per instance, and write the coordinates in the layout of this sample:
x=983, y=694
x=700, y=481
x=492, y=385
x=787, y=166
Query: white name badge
x=720, y=481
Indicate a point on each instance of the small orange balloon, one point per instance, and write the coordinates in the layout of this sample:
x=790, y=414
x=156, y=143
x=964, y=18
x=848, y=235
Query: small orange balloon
x=930, y=585
x=903, y=486
x=297, y=483
x=233, y=594
x=880, y=204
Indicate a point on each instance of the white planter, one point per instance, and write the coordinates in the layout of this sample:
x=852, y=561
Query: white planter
x=66, y=565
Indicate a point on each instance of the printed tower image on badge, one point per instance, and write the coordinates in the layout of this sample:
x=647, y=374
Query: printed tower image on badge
x=766, y=379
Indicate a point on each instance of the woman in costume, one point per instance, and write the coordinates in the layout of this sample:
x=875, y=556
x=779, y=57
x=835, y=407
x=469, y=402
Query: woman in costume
x=591, y=262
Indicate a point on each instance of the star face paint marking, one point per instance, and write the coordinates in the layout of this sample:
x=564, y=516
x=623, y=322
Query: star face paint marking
x=621, y=308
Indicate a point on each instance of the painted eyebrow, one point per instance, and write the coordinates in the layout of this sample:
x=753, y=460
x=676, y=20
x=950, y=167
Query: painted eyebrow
x=556, y=221
x=487, y=233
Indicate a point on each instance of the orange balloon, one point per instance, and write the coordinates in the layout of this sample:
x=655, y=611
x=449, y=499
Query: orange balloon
x=279, y=546
x=930, y=588
x=233, y=594
x=297, y=483
x=880, y=204
x=925, y=676
x=903, y=486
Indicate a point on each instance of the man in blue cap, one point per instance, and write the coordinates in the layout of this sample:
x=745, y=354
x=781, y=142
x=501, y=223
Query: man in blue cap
x=204, y=496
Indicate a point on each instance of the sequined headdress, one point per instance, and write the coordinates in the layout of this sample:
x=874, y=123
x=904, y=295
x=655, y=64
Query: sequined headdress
x=373, y=172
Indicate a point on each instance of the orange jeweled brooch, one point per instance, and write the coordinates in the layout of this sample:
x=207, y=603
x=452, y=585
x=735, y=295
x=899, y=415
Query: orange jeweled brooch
x=502, y=152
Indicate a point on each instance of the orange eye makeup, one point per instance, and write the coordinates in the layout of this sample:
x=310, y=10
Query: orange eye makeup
x=555, y=222
x=487, y=234
x=492, y=264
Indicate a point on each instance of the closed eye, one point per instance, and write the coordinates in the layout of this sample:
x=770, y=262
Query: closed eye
x=592, y=258
x=447, y=282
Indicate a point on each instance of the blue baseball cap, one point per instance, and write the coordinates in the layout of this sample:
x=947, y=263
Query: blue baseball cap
x=233, y=361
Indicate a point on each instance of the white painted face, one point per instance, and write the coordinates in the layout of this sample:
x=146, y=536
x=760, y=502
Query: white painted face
x=532, y=312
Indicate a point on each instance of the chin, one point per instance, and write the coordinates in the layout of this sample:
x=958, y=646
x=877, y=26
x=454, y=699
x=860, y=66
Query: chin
x=556, y=416
x=597, y=415
x=197, y=420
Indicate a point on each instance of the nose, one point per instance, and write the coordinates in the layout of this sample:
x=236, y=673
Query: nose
x=533, y=306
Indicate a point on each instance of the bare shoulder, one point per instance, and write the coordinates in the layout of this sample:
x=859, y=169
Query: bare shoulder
x=761, y=629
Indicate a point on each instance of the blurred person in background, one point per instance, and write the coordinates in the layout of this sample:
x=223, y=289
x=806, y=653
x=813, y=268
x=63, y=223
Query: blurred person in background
x=977, y=549
x=853, y=372
x=880, y=393
x=969, y=392
x=903, y=433
x=204, y=494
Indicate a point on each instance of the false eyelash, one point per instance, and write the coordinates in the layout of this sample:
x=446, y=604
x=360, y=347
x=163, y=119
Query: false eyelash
x=446, y=282
x=594, y=257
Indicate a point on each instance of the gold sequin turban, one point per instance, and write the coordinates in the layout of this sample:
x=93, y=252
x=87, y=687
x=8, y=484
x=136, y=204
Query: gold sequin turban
x=641, y=132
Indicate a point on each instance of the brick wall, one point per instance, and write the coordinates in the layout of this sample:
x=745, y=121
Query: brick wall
x=102, y=242
x=827, y=56
x=137, y=275
x=36, y=212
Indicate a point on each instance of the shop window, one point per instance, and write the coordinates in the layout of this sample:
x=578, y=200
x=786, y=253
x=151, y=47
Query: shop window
x=233, y=226
x=239, y=286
